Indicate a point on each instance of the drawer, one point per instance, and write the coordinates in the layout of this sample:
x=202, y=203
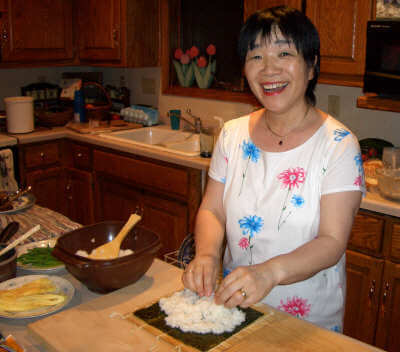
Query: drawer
x=81, y=156
x=367, y=234
x=42, y=154
x=395, y=243
x=143, y=173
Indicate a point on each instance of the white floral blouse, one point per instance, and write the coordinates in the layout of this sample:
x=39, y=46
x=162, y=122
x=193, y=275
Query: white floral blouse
x=272, y=206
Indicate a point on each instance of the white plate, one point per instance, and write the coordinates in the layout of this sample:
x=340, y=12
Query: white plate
x=21, y=204
x=63, y=287
x=24, y=248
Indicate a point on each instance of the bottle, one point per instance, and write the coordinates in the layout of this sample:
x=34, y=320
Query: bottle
x=79, y=106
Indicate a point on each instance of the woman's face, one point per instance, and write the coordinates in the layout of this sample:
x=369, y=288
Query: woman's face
x=277, y=74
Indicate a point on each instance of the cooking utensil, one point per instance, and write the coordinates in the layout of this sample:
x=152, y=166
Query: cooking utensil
x=20, y=239
x=9, y=231
x=110, y=250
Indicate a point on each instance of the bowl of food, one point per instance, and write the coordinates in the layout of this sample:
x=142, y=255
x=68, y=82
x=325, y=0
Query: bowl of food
x=389, y=182
x=8, y=264
x=136, y=255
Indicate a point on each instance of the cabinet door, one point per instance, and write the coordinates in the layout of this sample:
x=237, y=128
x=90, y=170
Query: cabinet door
x=37, y=31
x=364, y=276
x=251, y=6
x=79, y=196
x=99, y=30
x=114, y=199
x=388, y=332
x=342, y=25
x=46, y=185
x=167, y=218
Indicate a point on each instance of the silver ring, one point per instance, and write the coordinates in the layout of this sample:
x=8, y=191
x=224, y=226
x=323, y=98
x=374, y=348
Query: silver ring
x=243, y=293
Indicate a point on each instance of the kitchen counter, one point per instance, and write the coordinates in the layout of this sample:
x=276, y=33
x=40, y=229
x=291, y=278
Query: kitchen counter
x=372, y=201
x=99, y=323
x=6, y=140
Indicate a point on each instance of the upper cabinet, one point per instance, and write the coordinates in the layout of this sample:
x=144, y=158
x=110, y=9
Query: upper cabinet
x=36, y=31
x=118, y=32
x=342, y=26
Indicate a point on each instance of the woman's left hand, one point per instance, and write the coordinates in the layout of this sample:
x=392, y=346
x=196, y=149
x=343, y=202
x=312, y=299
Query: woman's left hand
x=246, y=285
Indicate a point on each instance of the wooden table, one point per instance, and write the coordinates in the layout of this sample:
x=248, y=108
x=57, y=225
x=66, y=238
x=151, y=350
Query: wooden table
x=100, y=324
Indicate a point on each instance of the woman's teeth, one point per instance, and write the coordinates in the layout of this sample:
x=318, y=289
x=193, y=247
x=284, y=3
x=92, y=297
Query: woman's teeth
x=274, y=87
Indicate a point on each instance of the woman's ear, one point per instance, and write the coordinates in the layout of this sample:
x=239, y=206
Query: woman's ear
x=311, y=71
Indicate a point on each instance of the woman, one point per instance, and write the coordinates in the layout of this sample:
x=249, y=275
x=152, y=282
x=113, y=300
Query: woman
x=285, y=184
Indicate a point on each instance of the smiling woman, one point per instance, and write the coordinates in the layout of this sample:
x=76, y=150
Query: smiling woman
x=285, y=183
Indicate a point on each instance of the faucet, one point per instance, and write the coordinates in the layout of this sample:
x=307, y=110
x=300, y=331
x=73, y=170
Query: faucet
x=197, y=121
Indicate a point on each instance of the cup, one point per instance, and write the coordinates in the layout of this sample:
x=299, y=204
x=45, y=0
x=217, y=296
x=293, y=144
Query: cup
x=174, y=116
x=391, y=157
x=207, y=139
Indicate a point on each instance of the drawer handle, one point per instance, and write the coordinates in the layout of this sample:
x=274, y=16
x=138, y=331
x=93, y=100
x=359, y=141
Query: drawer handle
x=79, y=155
x=372, y=289
x=42, y=155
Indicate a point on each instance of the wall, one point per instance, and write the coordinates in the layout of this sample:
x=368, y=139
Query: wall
x=363, y=122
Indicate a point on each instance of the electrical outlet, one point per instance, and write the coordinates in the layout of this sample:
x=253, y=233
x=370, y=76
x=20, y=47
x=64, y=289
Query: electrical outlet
x=148, y=86
x=334, y=105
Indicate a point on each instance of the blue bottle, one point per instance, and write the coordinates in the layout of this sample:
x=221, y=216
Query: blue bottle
x=79, y=107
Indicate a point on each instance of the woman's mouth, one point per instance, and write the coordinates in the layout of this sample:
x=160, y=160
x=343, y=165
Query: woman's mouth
x=274, y=88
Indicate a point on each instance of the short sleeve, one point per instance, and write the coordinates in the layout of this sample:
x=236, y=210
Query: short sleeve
x=343, y=170
x=219, y=160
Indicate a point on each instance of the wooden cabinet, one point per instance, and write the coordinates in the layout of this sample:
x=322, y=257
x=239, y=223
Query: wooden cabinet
x=167, y=195
x=251, y=6
x=373, y=281
x=342, y=26
x=118, y=32
x=37, y=31
x=40, y=167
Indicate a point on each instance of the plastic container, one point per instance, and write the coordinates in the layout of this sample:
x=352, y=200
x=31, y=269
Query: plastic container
x=20, y=117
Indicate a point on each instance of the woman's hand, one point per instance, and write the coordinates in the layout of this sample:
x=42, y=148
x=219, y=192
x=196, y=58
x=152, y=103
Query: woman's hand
x=201, y=274
x=246, y=285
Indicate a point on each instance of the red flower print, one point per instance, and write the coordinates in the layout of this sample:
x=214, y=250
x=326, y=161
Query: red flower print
x=178, y=54
x=202, y=61
x=358, y=181
x=194, y=52
x=296, y=306
x=211, y=50
x=185, y=59
x=292, y=177
x=244, y=243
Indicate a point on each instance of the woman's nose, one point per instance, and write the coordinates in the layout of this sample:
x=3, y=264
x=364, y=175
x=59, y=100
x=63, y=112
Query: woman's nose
x=270, y=66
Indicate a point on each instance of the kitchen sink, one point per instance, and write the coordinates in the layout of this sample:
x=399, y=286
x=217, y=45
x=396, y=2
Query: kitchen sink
x=160, y=138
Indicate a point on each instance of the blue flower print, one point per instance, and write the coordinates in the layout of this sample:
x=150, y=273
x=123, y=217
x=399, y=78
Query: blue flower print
x=251, y=225
x=340, y=133
x=336, y=328
x=223, y=180
x=250, y=153
x=297, y=201
x=359, y=163
x=225, y=272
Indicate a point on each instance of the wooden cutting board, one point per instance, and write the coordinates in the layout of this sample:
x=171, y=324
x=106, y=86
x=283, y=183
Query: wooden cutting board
x=104, y=324
x=104, y=126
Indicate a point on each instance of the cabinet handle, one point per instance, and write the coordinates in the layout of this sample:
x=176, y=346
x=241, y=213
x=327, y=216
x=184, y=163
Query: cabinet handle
x=114, y=34
x=42, y=155
x=372, y=289
x=79, y=155
x=68, y=187
x=385, y=294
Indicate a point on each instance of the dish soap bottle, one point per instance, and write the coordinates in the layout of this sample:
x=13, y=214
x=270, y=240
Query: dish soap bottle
x=79, y=106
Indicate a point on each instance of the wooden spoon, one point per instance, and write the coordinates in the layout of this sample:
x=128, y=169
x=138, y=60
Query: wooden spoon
x=20, y=239
x=110, y=250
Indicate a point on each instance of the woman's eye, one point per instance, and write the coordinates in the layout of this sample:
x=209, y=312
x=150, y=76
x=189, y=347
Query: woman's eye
x=284, y=54
x=256, y=57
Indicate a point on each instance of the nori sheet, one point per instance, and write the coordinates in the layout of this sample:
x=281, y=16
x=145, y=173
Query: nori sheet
x=153, y=315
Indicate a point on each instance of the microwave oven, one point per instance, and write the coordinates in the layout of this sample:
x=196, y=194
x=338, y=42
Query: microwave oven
x=382, y=63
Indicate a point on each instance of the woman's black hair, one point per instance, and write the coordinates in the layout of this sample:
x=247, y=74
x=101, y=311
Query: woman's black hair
x=294, y=26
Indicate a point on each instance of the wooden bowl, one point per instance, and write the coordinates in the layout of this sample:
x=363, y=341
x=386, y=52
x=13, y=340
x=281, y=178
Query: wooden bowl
x=104, y=276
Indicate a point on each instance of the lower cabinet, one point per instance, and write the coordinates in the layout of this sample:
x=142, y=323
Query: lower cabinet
x=373, y=281
x=166, y=195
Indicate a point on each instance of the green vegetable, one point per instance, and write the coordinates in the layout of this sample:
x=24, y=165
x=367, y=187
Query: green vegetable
x=40, y=257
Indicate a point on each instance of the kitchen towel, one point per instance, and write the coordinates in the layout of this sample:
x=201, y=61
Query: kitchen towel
x=7, y=177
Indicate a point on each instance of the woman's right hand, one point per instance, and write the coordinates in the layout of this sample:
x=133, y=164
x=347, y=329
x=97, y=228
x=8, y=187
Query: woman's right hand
x=201, y=273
